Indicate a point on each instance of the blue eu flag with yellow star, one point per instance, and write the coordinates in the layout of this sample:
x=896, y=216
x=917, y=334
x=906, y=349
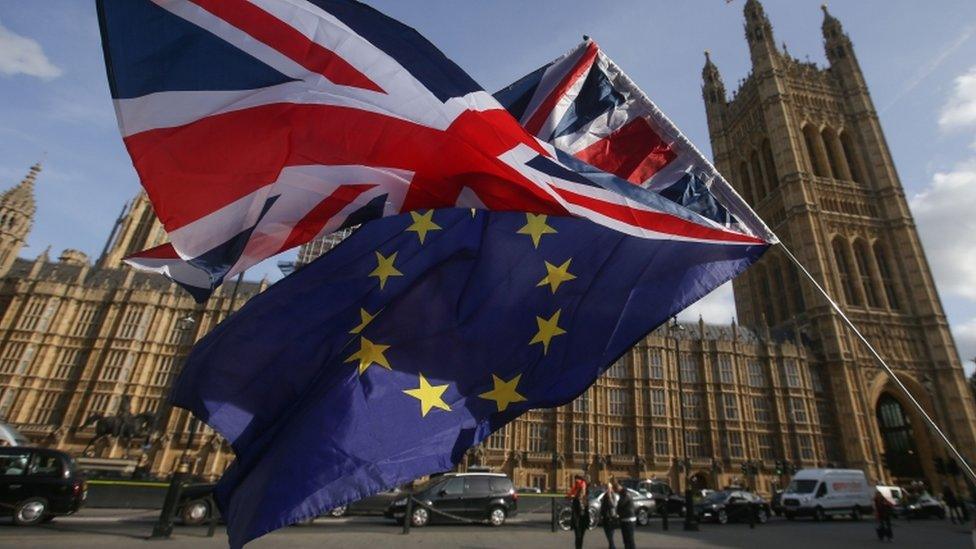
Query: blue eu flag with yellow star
x=416, y=338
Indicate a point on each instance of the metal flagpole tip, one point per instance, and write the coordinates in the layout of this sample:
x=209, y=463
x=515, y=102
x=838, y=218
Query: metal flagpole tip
x=586, y=38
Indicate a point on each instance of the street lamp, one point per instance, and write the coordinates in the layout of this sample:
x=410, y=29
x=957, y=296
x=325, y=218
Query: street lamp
x=164, y=526
x=691, y=523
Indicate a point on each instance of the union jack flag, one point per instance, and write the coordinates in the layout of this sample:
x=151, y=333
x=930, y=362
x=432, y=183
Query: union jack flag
x=584, y=104
x=256, y=125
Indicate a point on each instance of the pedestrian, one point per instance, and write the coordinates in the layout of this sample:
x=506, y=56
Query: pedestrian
x=580, y=520
x=883, y=509
x=952, y=502
x=608, y=511
x=627, y=516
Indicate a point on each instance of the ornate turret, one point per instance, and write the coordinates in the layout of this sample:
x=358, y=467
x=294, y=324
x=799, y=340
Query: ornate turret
x=712, y=82
x=136, y=229
x=840, y=52
x=17, y=207
x=759, y=33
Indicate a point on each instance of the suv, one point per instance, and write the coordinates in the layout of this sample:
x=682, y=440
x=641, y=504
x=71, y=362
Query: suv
x=37, y=484
x=475, y=496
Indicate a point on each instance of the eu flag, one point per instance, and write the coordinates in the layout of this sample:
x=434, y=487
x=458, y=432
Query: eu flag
x=414, y=339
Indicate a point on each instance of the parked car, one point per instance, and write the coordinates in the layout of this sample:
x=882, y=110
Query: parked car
x=476, y=496
x=828, y=492
x=921, y=506
x=529, y=490
x=11, y=437
x=376, y=504
x=643, y=505
x=37, y=484
x=732, y=505
x=196, y=503
x=664, y=496
x=894, y=494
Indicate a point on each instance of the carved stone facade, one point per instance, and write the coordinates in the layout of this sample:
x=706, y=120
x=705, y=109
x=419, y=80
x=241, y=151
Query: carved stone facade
x=804, y=146
x=801, y=143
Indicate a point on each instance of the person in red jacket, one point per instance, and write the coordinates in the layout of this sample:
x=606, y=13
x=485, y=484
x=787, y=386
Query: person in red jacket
x=883, y=510
x=581, y=518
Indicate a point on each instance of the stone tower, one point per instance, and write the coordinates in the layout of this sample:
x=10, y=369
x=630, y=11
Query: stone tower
x=137, y=228
x=17, y=209
x=804, y=146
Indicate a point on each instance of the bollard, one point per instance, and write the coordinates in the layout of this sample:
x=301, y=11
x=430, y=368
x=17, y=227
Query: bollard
x=407, y=514
x=212, y=527
x=752, y=516
x=553, y=515
x=164, y=525
x=664, y=516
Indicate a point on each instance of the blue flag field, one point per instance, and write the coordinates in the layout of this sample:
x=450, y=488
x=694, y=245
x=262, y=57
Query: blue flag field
x=419, y=335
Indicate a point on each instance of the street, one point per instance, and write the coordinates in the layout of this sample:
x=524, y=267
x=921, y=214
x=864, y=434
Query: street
x=110, y=528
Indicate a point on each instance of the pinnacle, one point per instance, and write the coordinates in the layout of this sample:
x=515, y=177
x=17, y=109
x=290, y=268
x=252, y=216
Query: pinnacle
x=22, y=196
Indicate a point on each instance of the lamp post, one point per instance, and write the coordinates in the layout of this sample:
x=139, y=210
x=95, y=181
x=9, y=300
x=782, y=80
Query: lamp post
x=691, y=523
x=164, y=525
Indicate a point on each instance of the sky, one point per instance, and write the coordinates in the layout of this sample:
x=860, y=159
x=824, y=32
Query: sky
x=919, y=60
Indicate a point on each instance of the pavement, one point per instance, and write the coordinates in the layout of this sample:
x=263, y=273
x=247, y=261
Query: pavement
x=118, y=528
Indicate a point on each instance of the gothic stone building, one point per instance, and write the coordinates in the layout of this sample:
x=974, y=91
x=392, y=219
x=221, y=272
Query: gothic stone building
x=801, y=143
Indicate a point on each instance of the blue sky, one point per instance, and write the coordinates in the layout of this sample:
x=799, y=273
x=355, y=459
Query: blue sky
x=920, y=63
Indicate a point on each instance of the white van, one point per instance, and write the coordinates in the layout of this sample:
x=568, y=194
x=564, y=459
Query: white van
x=820, y=493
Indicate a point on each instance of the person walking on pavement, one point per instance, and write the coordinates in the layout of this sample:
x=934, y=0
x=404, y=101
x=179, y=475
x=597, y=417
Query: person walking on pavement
x=608, y=511
x=627, y=515
x=952, y=502
x=883, y=509
x=580, y=520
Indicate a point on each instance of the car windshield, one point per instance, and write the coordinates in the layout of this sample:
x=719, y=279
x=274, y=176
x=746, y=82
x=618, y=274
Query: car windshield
x=802, y=486
x=427, y=485
x=716, y=497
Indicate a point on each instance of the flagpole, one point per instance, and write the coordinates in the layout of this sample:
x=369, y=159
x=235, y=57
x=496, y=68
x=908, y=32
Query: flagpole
x=881, y=361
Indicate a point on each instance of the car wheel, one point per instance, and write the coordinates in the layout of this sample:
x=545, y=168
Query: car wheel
x=818, y=514
x=420, y=517
x=338, y=511
x=761, y=516
x=195, y=512
x=496, y=516
x=723, y=517
x=566, y=519
x=642, y=517
x=594, y=518
x=856, y=513
x=30, y=512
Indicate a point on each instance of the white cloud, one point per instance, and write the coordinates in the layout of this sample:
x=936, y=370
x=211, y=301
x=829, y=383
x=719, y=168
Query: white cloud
x=944, y=213
x=960, y=111
x=22, y=55
x=717, y=307
x=965, y=335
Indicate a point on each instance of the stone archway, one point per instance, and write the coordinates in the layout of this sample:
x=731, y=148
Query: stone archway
x=700, y=481
x=900, y=432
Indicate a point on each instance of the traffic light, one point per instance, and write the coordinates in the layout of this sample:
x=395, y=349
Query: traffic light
x=940, y=466
x=779, y=467
x=745, y=468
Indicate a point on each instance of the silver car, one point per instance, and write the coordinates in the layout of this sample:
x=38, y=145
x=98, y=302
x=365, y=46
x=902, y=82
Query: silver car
x=643, y=506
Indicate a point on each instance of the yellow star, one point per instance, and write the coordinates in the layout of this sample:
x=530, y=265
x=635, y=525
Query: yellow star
x=535, y=226
x=429, y=396
x=384, y=268
x=556, y=275
x=365, y=318
x=548, y=329
x=504, y=392
x=369, y=353
x=422, y=224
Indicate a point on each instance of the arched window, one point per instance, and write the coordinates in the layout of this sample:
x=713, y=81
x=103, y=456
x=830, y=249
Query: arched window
x=898, y=437
x=853, y=162
x=841, y=258
x=772, y=179
x=835, y=154
x=815, y=151
x=887, y=280
x=746, y=183
x=758, y=179
x=781, y=298
x=868, y=282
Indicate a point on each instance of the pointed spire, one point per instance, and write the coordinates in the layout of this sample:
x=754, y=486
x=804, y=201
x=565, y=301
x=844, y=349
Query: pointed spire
x=21, y=197
x=713, y=89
